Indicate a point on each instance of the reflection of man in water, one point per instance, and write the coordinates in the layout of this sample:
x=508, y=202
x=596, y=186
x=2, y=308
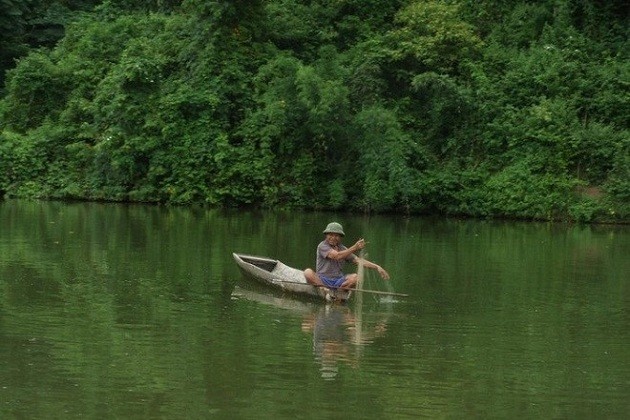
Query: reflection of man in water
x=334, y=329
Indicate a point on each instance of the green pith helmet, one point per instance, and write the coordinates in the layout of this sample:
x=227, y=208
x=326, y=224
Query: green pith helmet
x=334, y=227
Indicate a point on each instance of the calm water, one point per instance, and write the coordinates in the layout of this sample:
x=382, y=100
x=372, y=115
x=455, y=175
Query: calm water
x=117, y=311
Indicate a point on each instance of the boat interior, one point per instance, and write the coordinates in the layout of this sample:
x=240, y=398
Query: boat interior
x=263, y=263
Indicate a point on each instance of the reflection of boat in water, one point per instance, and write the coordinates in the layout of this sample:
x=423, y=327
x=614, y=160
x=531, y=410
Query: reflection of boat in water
x=339, y=333
x=279, y=276
x=293, y=305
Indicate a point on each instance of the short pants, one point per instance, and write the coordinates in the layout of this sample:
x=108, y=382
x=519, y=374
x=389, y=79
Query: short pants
x=332, y=281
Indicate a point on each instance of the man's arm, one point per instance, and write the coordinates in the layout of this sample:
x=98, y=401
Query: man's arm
x=369, y=264
x=342, y=255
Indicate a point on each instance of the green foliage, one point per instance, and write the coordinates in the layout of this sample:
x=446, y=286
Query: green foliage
x=601, y=21
x=488, y=108
x=12, y=27
x=587, y=210
x=35, y=24
x=431, y=37
x=441, y=107
x=304, y=27
x=21, y=164
x=299, y=124
x=522, y=25
x=384, y=161
x=522, y=190
x=618, y=183
x=337, y=196
x=125, y=6
x=36, y=90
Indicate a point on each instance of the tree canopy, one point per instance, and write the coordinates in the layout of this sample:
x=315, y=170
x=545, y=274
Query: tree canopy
x=487, y=108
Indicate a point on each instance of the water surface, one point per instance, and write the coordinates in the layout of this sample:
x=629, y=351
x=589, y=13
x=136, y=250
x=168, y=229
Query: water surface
x=130, y=311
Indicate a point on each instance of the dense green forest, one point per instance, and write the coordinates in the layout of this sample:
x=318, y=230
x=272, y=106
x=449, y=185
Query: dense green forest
x=484, y=108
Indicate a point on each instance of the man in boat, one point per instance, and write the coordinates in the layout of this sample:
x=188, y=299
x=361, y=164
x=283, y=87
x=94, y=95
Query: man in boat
x=331, y=256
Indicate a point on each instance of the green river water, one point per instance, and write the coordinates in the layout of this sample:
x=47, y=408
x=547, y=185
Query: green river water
x=115, y=311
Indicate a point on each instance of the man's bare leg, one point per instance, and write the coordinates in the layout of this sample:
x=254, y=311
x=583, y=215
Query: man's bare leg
x=313, y=278
x=350, y=282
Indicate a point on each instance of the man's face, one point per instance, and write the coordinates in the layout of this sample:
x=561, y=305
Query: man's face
x=333, y=239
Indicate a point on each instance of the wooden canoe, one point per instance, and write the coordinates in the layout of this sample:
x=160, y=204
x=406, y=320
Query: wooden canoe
x=279, y=276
